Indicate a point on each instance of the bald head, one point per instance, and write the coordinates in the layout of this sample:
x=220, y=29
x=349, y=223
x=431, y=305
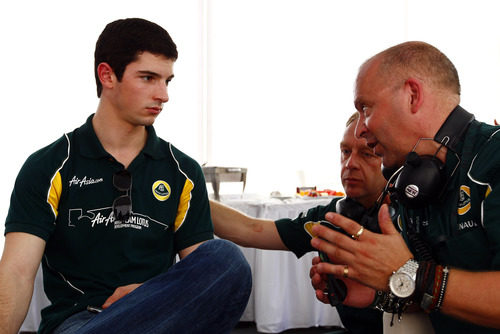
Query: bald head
x=419, y=60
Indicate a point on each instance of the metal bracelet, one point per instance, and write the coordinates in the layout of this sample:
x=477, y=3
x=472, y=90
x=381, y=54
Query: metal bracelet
x=439, y=303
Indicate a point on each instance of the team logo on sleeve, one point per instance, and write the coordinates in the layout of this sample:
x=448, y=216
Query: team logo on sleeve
x=464, y=200
x=308, y=227
x=161, y=190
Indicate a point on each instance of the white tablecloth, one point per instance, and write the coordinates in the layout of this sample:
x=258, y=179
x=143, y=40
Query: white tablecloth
x=282, y=296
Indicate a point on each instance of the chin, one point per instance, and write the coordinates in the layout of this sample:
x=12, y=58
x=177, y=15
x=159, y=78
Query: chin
x=391, y=163
x=394, y=159
x=147, y=121
x=352, y=192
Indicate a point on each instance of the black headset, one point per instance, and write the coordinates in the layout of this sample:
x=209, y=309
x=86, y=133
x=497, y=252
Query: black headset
x=422, y=179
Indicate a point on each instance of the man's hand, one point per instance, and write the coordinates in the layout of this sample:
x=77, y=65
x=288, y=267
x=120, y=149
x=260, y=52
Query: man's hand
x=358, y=295
x=371, y=259
x=119, y=293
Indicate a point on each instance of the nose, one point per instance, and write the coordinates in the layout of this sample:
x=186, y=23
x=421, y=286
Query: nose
x=161, y=93
x=361, y=129
x=352, y=161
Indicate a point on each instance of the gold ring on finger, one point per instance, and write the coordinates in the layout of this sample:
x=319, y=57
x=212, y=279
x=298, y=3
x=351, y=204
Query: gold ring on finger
x=358, y=234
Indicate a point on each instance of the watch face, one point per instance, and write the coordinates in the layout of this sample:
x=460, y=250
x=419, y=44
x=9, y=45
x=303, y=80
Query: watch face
x=401, y=284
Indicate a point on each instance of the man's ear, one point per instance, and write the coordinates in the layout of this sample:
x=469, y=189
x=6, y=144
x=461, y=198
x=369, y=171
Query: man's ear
x=106, y=75
x=416, y=94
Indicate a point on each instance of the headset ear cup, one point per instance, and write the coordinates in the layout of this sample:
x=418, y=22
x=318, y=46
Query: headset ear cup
x=420, y=181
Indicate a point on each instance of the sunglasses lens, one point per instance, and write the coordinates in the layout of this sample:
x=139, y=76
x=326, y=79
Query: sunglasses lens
x=122, y=180
x=122, y=207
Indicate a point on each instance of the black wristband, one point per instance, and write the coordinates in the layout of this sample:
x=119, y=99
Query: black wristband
x=421, y=279
x=425, y=283
x=380, y=296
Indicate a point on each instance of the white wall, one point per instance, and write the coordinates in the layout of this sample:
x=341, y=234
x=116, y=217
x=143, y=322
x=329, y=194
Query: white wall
x=282, y=72
x=263, y=84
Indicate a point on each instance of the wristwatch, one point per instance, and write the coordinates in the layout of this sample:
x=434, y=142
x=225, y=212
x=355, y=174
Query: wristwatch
x=402, y=281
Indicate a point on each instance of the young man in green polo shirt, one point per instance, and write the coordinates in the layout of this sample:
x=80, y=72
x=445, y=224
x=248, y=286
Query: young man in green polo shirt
x=108, y=206
x=362, y=181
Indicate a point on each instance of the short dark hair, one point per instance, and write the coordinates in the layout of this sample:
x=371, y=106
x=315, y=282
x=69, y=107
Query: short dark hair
x=123, y=40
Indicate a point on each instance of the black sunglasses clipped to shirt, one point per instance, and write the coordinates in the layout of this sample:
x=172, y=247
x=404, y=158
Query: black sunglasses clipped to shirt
x=122, y=205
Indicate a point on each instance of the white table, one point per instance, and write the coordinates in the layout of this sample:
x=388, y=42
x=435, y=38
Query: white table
x=282, y=296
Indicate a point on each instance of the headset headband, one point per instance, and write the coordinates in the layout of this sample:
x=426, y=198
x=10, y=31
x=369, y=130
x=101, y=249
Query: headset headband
x=454, y=127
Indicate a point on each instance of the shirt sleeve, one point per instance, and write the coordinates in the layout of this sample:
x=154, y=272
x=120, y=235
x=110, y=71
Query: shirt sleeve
x=34, y=200
x=193, y=223
x=294, y=232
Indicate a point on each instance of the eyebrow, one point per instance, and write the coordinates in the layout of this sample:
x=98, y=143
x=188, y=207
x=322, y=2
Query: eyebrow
x=357, y=103
x=153, y=74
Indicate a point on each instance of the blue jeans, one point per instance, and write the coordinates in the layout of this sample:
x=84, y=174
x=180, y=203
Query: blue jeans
x=206, y=292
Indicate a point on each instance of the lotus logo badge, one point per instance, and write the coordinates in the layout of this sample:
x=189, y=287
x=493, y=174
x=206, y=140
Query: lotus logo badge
x=464, y=203
x=161, y=190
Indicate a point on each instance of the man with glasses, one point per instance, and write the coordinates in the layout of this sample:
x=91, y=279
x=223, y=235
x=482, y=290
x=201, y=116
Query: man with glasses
x=108, y=206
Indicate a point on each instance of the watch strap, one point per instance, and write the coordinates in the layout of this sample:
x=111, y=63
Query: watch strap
x=410, y=267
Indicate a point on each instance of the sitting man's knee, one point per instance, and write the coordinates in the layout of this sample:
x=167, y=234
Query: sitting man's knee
x=230, y=255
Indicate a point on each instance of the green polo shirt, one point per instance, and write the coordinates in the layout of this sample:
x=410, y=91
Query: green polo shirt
x=64, y=194
x=294, y=232
x=463, y=229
